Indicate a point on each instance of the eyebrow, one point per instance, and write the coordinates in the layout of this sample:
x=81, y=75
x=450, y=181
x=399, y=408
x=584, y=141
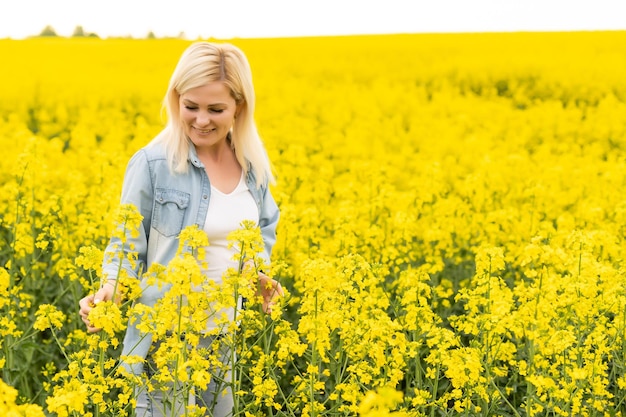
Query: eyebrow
x=187, y=101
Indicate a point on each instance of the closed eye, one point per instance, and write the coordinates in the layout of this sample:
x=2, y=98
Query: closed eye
x=217, y=111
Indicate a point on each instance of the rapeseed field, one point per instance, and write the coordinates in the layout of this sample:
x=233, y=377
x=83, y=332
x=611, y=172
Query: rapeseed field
x=451, y=243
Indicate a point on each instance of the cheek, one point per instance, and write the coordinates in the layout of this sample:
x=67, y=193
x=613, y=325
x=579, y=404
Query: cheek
x=225, y=120
x=183, y=113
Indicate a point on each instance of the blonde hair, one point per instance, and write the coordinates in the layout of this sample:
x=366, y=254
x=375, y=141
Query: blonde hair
x=202, y=63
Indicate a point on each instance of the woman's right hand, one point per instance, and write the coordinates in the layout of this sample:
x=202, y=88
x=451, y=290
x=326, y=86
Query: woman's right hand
x=87, y=303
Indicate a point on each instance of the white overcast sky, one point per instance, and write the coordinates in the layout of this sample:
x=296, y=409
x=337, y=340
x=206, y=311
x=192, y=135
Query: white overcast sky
x=226, y=19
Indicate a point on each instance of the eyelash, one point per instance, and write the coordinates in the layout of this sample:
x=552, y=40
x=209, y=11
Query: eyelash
x=212, y=111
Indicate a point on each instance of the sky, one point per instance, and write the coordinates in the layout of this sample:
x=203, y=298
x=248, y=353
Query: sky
x=227, y=19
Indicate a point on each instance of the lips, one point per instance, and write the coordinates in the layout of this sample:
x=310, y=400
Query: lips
x=203, y=131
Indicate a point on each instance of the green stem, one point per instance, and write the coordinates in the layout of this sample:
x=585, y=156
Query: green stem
x=236, y=373
x=435, y=388
x=58, y=342
x=181, y=388
x=314, y=360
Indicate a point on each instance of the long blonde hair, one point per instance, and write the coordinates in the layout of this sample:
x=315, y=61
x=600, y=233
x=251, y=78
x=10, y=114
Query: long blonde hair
x=202, y=63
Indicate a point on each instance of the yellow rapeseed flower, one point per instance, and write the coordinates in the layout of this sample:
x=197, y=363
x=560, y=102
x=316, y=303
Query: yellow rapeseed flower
x=48, y=316
x=9, y=406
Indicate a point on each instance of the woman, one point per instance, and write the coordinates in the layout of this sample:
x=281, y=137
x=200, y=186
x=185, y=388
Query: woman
x=207, y=167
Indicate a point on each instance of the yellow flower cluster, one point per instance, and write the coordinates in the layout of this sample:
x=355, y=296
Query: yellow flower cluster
x=451, y=238
x=9, y=407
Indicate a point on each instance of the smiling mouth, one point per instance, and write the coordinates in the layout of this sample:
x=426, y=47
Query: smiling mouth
x=203, y=131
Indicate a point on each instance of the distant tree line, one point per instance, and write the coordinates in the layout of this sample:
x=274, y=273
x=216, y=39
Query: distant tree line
x=79, y=32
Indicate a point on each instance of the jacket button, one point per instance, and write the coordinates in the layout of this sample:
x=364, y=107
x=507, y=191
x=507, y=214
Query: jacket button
x=205, y=196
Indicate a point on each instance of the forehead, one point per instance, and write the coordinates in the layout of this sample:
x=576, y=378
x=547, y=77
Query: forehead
x=213, y=92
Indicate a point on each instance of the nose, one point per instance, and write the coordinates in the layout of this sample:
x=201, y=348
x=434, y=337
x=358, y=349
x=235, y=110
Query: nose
x=203, y=118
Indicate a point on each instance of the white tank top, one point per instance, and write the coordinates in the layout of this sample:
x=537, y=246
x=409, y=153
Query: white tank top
x=225, y=214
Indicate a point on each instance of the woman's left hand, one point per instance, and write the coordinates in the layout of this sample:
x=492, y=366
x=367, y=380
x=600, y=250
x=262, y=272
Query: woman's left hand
x=270, y=290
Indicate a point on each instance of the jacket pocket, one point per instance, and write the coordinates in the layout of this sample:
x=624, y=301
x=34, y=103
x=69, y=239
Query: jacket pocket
x=169, y=211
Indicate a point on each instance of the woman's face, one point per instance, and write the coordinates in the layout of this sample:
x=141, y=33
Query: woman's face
x=207, y=113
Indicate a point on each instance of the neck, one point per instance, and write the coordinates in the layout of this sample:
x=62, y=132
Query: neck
x=216, y=153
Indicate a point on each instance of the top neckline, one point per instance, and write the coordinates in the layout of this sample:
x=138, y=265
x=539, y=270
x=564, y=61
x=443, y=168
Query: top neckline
x=237, y=187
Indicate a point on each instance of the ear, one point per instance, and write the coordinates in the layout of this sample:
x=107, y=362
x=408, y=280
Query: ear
x=239, y=108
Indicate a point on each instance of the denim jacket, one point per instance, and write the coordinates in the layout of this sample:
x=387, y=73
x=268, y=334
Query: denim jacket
x=168, y=204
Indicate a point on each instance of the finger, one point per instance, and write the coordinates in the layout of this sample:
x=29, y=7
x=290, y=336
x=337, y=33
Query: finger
x=279, y=289
x=85, y=302
x=90, y=327
x=103, y=294
x=85, y=308
x=84, y=314
x=276, y=289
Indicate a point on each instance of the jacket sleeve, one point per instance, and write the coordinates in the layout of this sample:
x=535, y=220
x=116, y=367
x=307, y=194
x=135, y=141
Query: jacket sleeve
x=268, y=221
x=137, y=189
